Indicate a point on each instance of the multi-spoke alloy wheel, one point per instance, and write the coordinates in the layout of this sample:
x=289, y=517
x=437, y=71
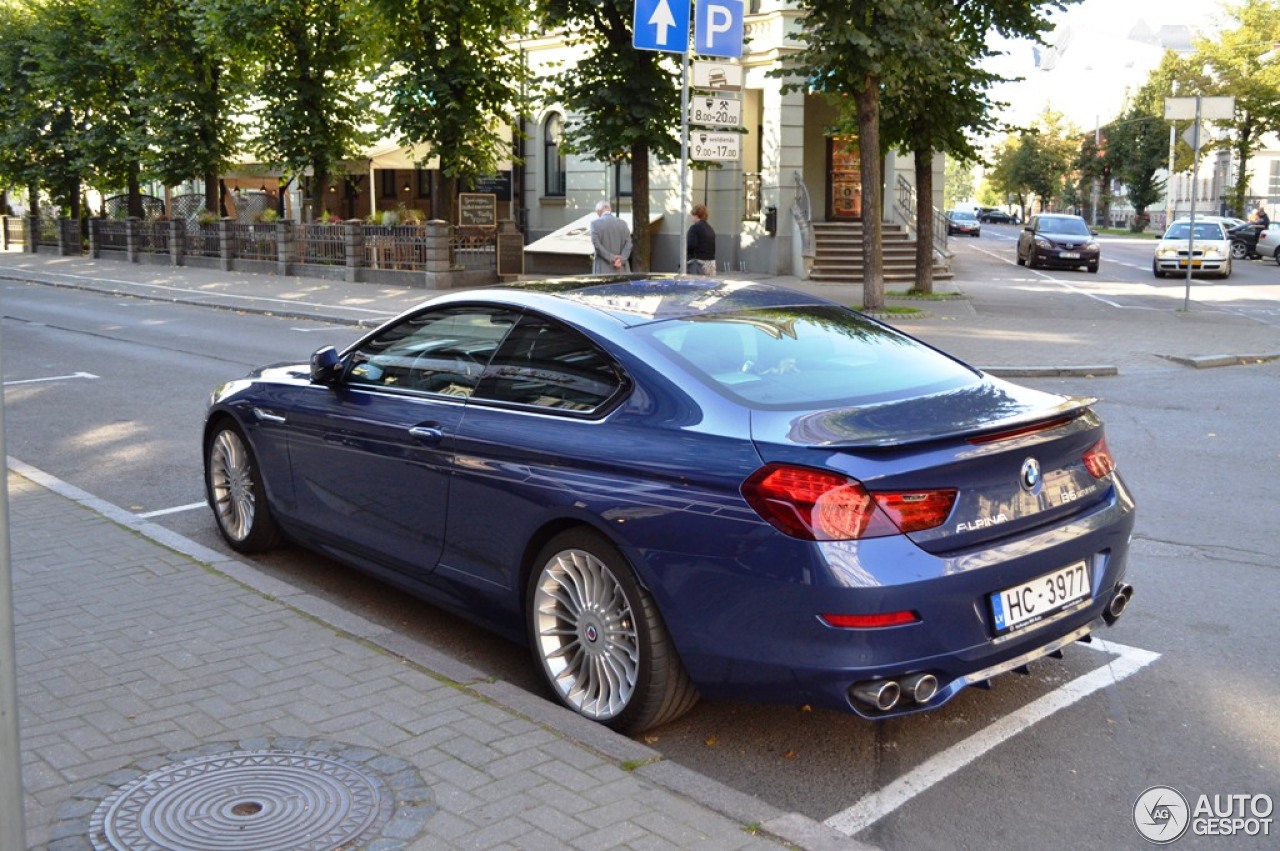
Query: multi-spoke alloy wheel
x=236, y=493
x=586, y=634
x=598, y=637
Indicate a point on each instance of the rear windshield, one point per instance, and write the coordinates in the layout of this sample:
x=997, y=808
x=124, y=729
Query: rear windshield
x=805, y=357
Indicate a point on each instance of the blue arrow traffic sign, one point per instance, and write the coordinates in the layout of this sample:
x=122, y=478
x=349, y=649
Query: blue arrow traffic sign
x=661, y=25
x=718, y=28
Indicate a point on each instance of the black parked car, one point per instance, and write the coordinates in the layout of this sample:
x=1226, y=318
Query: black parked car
x=1244, y=240
x=997, y=217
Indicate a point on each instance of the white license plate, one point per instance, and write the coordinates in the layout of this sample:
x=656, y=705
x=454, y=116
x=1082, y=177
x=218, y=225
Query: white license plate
x=1023, y=605
x=1070, y=255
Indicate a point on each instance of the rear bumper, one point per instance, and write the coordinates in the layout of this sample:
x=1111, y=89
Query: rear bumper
x=763, y=640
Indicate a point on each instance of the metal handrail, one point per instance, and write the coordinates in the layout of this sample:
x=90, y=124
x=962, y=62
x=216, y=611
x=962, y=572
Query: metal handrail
x=905, y=213
x=802, y=212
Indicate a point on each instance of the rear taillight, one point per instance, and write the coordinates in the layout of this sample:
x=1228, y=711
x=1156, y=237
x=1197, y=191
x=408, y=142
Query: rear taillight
x=818, y=505
x=872, y=621
x=1098, y=460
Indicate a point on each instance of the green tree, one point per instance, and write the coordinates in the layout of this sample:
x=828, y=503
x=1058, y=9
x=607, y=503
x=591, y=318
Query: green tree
x=1236, y=67
x=22, y=112
x=448, y=79
x=309, y=65
x=913, y=64
x=625, y=102
x=957, y=107
x=1137, y=148
x=957, y=180
x=852, y=50
x=189, y=85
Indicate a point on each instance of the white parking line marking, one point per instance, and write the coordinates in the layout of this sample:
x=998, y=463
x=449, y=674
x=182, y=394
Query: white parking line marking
x=177, y=509
x=939, y=767
x=50, y=378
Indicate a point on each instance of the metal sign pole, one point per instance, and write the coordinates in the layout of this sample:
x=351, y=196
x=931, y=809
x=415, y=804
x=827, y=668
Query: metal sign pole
x=684, y=158
x=1195, y=175
x=11, y=826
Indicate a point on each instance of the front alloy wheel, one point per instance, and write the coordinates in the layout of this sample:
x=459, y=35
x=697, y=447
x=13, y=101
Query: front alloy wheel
x=598, y=638
x=236, y=494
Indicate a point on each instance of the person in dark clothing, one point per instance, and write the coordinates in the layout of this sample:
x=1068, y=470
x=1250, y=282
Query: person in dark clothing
x=702, y=243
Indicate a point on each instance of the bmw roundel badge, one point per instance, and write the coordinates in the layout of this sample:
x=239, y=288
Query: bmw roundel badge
x=1030, y=476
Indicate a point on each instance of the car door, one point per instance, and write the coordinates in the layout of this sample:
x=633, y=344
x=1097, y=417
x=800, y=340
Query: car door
x=373, y=454
x=534, y=443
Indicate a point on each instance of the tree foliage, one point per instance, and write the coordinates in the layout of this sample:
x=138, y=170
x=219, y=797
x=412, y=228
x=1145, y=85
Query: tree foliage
x=448, y=79
x=308, y=62
x=1242, y=63
x=625, y=102
x=907, y=73
x=1035, y=164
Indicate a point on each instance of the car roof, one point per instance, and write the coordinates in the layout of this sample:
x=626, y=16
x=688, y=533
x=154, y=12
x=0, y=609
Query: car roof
x=639, y=299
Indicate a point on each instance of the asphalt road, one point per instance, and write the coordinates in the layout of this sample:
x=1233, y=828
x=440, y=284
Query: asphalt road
x=107, y=393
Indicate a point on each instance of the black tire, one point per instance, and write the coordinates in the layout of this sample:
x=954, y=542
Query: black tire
x=587, y=616
x=1093, y=269
x=1032, y=263
x=1239, y=251
x=236, y=493
x=1155, y=269
x=1022, y=261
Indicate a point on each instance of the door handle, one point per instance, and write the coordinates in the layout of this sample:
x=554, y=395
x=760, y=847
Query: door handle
x=427, y=434
x=267, y=416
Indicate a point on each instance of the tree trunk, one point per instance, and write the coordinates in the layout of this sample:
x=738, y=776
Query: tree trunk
x=640, y=207
x=872, y=194
x=924, y=222
x=211, y=197
x=135, y=193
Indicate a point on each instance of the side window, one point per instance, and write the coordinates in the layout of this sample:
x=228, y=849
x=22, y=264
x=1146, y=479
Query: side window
x=553, y=150
x=545, y=365
x=438, y=351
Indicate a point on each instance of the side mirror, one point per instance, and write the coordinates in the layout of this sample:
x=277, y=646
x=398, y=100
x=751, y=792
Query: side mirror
x=325, y=365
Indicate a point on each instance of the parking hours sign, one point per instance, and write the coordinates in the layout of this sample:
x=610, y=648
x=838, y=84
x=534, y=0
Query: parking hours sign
x=708, y=145
x=715, y=110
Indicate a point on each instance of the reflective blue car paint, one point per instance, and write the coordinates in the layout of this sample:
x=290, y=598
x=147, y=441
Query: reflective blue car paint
x=660, y=474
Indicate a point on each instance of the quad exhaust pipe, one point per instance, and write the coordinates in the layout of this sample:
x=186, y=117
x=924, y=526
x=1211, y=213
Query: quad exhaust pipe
x=878, y=694
x=1118, y=603
x=884, y=695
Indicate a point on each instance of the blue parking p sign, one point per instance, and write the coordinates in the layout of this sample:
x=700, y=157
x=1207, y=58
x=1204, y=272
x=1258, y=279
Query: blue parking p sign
x=661, y=25
x=718, y=28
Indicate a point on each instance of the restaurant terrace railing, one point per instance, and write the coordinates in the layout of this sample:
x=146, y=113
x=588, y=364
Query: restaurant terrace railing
x=435, y=255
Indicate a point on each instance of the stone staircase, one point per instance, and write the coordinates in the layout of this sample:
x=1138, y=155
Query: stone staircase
x=838, y=254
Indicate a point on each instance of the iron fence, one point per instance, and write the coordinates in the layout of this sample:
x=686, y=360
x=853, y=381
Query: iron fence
x=204, y=240
x=252, y=241
x=151, y=237
x=320, y=244
x=15, y=231
x=474, y=248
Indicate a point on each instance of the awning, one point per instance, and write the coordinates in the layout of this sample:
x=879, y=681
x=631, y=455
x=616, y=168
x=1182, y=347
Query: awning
x=392, y=156
x=575, y=237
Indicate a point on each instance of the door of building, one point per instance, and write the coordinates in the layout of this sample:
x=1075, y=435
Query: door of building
x=844, y=178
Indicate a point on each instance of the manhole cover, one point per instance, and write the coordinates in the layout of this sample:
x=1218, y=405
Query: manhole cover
x=264, y=799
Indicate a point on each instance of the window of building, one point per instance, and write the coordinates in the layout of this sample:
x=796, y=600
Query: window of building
x=387, y=183
x=1273, y=187
x=553, y=154
x=622, y=179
